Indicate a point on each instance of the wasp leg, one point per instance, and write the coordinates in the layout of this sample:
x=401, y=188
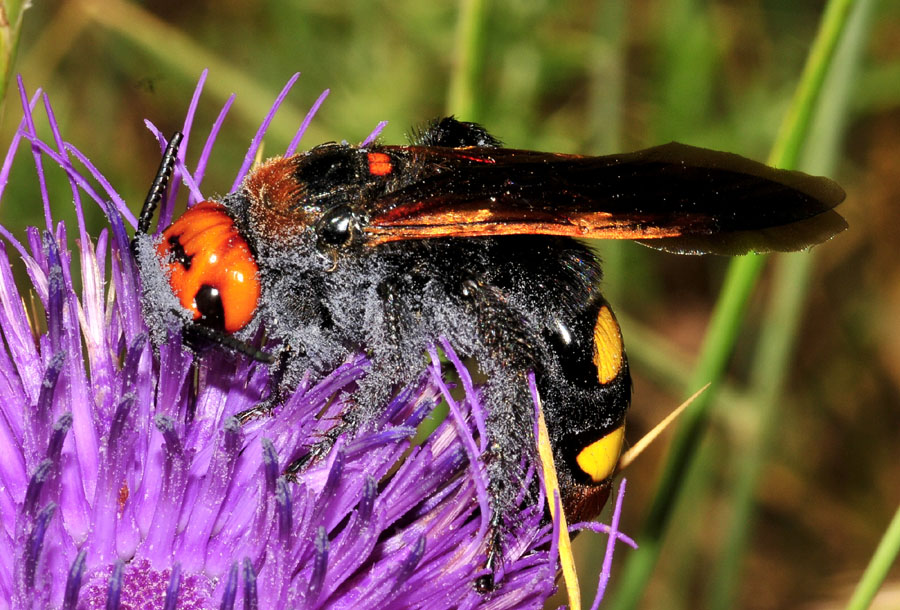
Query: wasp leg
x=387, y=375
x=276, y=394
x=193, y=331
x=494, y=555
x=319, y=449
x=509, y=350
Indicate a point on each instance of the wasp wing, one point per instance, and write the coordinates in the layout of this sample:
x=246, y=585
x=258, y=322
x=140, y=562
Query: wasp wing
x=672, y=197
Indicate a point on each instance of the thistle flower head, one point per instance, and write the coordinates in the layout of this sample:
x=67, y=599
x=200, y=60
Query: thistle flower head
x=127, y=481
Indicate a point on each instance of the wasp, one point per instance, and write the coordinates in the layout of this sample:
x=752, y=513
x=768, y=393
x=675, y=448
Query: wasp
x=389, y=249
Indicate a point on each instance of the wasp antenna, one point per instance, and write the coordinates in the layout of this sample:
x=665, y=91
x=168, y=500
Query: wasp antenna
x=158, y=188
x=638, y=448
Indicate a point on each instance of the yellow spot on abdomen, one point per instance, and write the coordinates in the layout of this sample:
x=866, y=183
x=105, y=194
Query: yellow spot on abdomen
x=598, y=460
x=608, y=349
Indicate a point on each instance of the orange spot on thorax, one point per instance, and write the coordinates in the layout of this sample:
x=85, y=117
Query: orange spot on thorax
x=380, y=164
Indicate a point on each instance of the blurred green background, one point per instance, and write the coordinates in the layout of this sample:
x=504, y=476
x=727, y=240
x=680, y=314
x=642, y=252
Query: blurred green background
x=584, y=77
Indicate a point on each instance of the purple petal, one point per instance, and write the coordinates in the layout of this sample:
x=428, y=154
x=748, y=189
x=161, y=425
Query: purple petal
x=295, y=142
x=257, y=139
x=200, y=171
x=375, y=132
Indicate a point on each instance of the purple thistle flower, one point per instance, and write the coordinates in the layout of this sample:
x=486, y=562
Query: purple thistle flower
x=125, y=484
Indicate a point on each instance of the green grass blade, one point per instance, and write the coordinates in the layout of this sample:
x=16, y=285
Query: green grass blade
x=463, y=98
x=777, y=343
x=792, y=275
x=729, y=313
x=796, y=126
x=10, y=28
x=877, y=570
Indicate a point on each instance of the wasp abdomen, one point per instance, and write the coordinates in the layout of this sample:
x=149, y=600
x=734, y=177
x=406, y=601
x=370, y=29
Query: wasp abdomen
x=587, y=396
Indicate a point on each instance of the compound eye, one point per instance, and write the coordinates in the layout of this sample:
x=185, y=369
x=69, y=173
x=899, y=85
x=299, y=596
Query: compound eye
x=211, y=268
x=336, y=227
x=209, y=303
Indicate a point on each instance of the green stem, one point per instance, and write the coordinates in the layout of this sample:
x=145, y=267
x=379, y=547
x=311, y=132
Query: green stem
x=11, y=13
x=462, y=98
x=777, y=343
x=795, y=127
x=776, y=348
x=728, y=316
x=877, y=570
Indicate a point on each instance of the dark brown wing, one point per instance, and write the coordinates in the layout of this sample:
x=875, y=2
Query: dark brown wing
x=673, y=197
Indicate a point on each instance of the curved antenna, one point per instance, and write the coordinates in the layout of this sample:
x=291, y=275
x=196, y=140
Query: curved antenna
x=158, y=188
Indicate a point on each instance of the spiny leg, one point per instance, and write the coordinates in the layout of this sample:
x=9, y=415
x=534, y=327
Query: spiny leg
x=511, y=352
x=276, y=394
x=194, y=331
